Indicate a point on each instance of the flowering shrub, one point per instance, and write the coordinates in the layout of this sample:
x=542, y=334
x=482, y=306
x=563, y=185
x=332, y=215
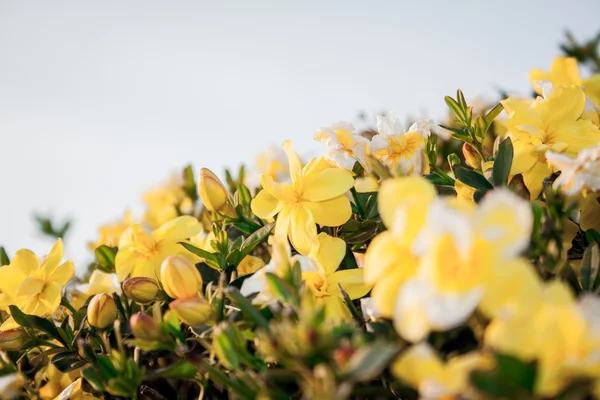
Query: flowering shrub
x=451, y=261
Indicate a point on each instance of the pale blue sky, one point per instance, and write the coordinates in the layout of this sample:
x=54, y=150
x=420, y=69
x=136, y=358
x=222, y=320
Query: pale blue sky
x=99, y=100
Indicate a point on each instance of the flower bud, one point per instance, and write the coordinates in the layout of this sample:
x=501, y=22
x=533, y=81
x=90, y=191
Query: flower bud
x=180, y=278
x=249, y=265
x=213, y=194
x=102, y=311
x=142, y=290
x=12, y=339
x=193, y=311
x=144, y=327
x=472, y=157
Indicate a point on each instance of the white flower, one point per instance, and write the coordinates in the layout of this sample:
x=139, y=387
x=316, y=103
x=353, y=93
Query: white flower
x=577, y=173
x=344, y=147
x=273, y=161
x=397, y=148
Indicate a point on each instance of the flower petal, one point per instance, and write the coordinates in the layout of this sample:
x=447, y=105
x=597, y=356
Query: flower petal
x=563, y=104
x=178, y=229
x=334, y=212
x=534, y=178
x=303, y=230
x=25, y=261
x=352, y=281
x=50, y=296
x=327, y=184
x=265, y=206
x=294, y=161
x=63, y=273
x=405, y=191
x=330, y=253
x=124, y=263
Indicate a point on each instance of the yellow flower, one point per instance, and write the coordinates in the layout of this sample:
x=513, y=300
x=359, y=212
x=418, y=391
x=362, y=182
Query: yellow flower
x=464, y=192
x=213, y=194
x=366, y=185
x=141, y=253
x=550, y=123
x=421, y=368
x=398, y=149
x=111, y=233
x=33, y=287
x=315, y=196
x=564, y=71
x=460, y=250
x=344, y=147
x=272, y=162
x=321, y=277
x=164, y=201
x=389, y=261
x=75, y=392
x=57, y=382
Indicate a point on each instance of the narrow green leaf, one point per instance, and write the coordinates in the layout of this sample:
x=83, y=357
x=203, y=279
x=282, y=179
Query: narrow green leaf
x=503, y=163
x=105, y=256
x=198, y=251
x=178, y=370
x=226, y=382
x=456, y=109
x=472, y=178
x=33, y=321
x=353, y=311
x=254, y=239
x=493, y=113
x=515, y=371
x=481, y=128
x=590, y=264
x=247, y=308
x=460, y=97
x=4, y=260
x=280, y=289
x=189, y=183
x=370, y=361
x=93, y=377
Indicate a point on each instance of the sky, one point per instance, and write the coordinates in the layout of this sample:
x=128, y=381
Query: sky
x=101, y=100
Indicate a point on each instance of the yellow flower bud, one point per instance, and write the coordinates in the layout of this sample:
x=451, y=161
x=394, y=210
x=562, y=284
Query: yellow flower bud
x=12, y=339
x=144, y=327
x=180, y=278
x=212, y=192
x=193, y=311
x=102, y=311
x=249, y=265
x=472, y=157
x=142, y=290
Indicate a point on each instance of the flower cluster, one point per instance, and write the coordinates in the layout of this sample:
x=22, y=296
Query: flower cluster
x=458, y=260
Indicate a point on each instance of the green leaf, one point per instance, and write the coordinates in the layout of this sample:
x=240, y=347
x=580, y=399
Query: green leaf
x=254, y=239
x=472, y=178
x=515, y=371
x=247, y=308
x=502, y=163
x=592, y=235
x=93, y=377
x=35, y=322
x=199, y=252
x=481, y=128
x=208, y=273
x=244, y=195
x=493, y=113
x=227, y=383
x=67, y=361
x=106, y=367
x=456, y=109
x=189, y=183
x=105, y=256
x=590, y=264
x=370, y=361
x=178, y=370
x=460, y=97
x=4, y=260
x=282, y=291
x=353, y=311
x=491, y=384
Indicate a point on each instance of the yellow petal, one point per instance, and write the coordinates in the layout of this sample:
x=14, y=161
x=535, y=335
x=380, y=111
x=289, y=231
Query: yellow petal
x=25, y=261
x=124, y=263
x=63, y=273
x=30, y=287
x=327, y=184
x=281, y=191
x=50, y=296
x=352, y=281
x=265, y=206
x=334, y=212
x=9, y=324
x=592, y=88
x=315, y=165
x=387, y=255
x=178, y=229
x=330, y=253
x=294, y=162
x=54, y=257
x=336, y=310
x=10, y=279
x=385, y=293
x=523, y=160
x=303, y=230
x=282, y=225
x=534, y=178
x=563, y=104
x=578, y=135
x=417, y=363
x=399, y=191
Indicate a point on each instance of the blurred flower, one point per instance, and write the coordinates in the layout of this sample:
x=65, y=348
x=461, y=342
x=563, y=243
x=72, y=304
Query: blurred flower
x=101, y=311
x=145, y=327
x=75, y=392
x=141, y=254
x=99, y=282
x=142, y=290
x=550, y=123
x=180, y=278
x=273, y=162
x=564, y=71
x=344, y=147
x=164, y=201
x=111, y=233
x=399, y=149
x=366, y=184
x=12, y=339
x=315, y=196
x=193, y=311
x=33, y=287
x=577, y=174
x=10, y=385
x=56, y=382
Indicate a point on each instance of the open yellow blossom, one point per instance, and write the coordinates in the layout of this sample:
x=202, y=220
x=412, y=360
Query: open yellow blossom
x=164, y=201
x=550, y=123
x=389, y=260
x=578, y=174
x=142, y=253
x=111, y=233
x=564, y=71
x=421, y=368
x=316, y=195
x=99, y=282
x=399, y=149
x=460, y=249
x=56, y=382
x=344, y=147
x=33, y=286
